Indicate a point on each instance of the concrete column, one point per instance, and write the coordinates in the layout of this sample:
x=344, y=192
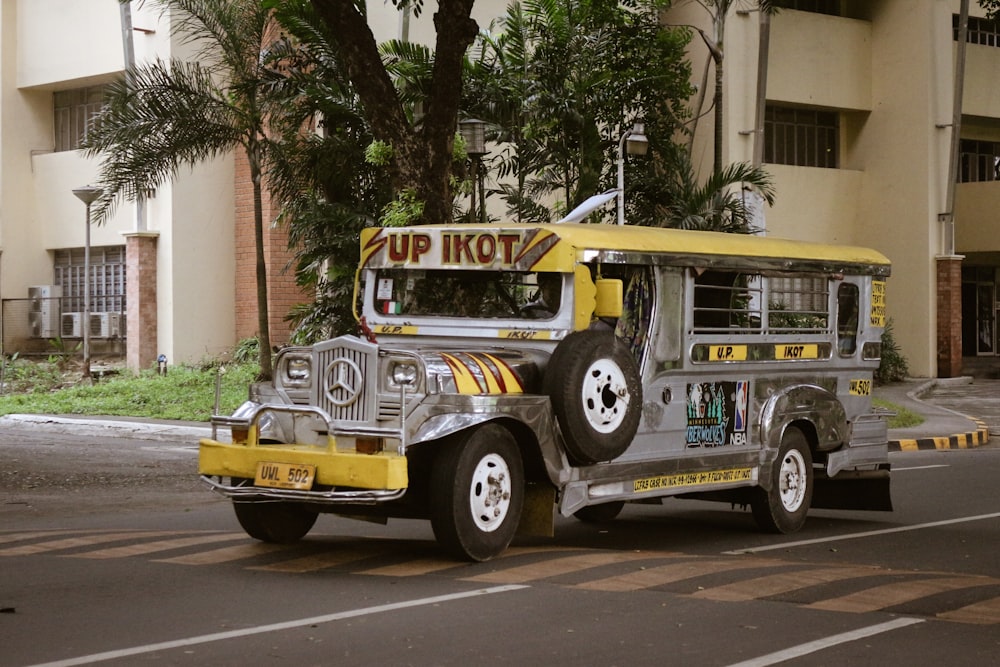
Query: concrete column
x=141, y=309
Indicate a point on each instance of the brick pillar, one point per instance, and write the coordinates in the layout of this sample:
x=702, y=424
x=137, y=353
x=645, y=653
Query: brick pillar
x=949, y=316
x=141, y=311
x=282, y=291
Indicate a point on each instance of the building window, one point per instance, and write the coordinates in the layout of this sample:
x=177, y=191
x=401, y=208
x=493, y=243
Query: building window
x=75, y=110
x=107, y=279
x=981, y=31
x=980, y=161
x=831, y=7
x=801, y=137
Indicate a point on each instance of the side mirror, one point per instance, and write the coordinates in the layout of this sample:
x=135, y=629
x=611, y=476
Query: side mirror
x=609, y=298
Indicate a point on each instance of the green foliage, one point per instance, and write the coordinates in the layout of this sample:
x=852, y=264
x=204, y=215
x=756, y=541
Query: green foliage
x=184, y=393
x=902, y=417
x=893, y=367
x=404, y=210
x=246, y=350
x=378, y=153
x=560, y=82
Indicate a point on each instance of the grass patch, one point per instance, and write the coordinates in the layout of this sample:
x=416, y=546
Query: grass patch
x=184, y=393
x=903, y=418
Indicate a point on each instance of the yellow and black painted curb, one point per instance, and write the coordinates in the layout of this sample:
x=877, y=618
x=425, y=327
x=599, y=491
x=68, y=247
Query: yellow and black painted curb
x=966, y=440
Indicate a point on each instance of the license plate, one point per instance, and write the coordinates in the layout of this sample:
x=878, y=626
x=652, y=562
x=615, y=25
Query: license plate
x=285, y=475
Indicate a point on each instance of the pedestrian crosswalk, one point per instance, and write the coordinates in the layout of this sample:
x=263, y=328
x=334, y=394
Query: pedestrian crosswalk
x=838, y=588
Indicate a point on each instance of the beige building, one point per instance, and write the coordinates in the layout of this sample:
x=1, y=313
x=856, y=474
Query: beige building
x=858, y=130
x=857, y=134
x=164, y=272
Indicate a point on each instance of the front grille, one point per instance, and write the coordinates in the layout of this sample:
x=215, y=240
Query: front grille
x=345, y=386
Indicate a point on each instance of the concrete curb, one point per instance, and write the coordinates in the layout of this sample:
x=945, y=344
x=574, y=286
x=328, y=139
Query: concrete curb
x=963, y=440
x=113, y=428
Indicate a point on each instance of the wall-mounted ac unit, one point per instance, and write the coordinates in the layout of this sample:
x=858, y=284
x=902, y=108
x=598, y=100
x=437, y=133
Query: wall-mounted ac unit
x=105, y=325
x=44, y=323
x=72, y=325
x=43, y=313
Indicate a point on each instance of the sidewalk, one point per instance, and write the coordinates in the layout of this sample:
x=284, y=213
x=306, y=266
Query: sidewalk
x=942, y=428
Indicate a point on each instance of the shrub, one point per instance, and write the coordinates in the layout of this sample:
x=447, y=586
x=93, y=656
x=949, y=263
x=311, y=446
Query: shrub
x=893, y=367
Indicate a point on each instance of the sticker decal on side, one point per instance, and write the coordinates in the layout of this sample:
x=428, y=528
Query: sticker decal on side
x=717, y=414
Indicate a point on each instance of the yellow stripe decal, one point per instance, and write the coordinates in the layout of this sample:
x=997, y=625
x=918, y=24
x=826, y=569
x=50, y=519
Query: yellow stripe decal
x=465, y=381
x=489, y=378
x=509, y=382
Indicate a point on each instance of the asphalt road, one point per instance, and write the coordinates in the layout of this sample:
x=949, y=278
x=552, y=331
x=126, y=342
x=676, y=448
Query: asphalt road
x=112, y=553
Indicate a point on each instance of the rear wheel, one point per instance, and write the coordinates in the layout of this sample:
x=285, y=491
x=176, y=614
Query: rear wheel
x=280, y=523
x=783, y=508
x=477, y=491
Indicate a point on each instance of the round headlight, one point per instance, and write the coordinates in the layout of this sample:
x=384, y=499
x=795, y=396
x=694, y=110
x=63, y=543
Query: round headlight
x=404, y=374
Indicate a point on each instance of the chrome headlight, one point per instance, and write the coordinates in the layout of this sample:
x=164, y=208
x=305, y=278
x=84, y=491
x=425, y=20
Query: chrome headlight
x=403, y=374
x=295, y=370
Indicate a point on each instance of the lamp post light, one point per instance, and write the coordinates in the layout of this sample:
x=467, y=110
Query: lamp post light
x=473, y=131
x=87, y=194
x=633, y=142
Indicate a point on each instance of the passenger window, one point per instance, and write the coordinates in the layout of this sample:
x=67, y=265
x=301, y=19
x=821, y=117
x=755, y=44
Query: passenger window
x=633, y=326
x=847, y=319
x=670, y=317
x=726, y=301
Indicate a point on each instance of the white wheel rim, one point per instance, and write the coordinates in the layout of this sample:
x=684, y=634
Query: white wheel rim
x=489, y=493
x=792, y=480
x=605, y=396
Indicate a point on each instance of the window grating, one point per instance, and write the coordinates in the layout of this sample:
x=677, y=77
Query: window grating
x=107, y=279
x=75, y=111
x=801, y=137
x=980, y=161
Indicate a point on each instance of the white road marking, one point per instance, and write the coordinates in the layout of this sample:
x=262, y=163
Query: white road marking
x=827, y=642
x=273, y=627
x=938, y=465
x=868, y=533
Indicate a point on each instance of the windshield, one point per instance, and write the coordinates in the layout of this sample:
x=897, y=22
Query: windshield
x=473, y=294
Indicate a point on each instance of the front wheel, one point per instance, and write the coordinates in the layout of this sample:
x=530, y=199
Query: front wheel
x=280, y=523
x=783, y=508
x=477, y=491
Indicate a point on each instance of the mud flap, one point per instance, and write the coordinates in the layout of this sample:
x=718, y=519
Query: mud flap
x=538, y=511
x=853, y=490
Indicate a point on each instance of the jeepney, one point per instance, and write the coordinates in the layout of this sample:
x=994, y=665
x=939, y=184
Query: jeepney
x=503, y=373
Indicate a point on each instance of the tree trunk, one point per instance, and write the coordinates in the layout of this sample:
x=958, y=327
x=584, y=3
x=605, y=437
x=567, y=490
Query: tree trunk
x=421, y=159
x=263, y=319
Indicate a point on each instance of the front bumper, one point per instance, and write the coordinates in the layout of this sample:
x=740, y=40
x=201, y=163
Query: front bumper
x=345, y=477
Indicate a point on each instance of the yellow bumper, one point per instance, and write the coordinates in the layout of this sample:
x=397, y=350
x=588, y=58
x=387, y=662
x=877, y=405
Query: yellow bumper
x=384, y=470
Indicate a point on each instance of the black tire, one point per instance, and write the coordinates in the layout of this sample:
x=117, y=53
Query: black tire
x=783, y=508
x=279, y=523
x=603, y=513
x=593, y=382
x=477, y=492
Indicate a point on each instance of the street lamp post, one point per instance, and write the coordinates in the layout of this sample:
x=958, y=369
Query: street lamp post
x=473, y=131
x=633, y=142
x=87, y=194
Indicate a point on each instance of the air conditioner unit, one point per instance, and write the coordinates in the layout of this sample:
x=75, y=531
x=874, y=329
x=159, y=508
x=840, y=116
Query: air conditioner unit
x=72, y=325
x=44, y=323
x=44, y=296
x=105, y=325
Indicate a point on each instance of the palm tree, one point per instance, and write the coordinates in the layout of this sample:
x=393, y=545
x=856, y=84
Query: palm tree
x=164, y=115
x=719, y=203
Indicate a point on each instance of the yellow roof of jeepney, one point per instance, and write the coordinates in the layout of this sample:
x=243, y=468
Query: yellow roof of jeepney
x=575, y=242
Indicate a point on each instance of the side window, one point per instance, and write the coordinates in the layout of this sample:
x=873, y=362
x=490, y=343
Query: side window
x=847, y=319
x=670, y=315
x=726, y=301
x=633, y=326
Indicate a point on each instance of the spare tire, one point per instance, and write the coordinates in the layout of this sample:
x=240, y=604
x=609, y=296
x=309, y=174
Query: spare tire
x=593, y=383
